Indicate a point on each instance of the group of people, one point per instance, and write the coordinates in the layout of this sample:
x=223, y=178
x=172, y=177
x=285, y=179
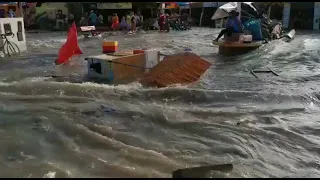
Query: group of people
x=91, y=19
x=175, y=21
x=9, y=14
x=234, y=25
x=130, y=22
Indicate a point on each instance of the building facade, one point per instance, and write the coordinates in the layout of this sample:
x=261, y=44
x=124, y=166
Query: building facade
x=301, y=15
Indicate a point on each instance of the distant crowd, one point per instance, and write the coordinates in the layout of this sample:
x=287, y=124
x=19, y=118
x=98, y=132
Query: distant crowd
x=130, y=22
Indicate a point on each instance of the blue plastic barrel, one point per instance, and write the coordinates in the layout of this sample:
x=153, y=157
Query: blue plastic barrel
x=254, y=26
x=187, y=50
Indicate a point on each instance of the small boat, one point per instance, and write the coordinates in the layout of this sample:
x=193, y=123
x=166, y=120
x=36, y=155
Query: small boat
x=233, y=48
x=260, y=27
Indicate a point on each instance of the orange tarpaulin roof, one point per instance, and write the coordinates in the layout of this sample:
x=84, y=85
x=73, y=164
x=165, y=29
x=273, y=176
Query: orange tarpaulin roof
x=183, y=68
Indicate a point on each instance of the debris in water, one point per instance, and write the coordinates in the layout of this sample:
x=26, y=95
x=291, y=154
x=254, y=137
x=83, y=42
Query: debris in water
x=50, y=175
x=182, y=68
x=107, y=109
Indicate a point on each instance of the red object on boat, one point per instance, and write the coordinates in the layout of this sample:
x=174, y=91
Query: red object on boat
x=138, y=51
x=70, y=48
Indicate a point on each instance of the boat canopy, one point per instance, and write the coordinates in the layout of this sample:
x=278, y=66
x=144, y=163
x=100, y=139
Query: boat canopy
x=224, y=10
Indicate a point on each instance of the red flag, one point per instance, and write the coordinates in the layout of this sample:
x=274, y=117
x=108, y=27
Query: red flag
x=70, y=48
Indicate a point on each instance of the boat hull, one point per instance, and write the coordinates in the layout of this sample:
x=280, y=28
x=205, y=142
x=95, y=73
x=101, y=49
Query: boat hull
x=236, y=48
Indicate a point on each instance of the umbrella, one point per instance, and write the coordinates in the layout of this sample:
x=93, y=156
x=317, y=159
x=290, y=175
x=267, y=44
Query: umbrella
x=183, y=3
x=224, y=10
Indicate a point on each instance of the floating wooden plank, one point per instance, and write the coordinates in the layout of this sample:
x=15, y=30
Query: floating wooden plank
x=273, y=72
x=183, y=68
x=253, y=72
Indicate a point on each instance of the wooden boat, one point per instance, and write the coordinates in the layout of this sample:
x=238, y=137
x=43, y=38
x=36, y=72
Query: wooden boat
x=234, y=48
x=232, y=45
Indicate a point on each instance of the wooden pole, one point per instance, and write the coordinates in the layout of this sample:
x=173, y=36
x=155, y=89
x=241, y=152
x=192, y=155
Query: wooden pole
x=269, y=11
x=20, y=9
x=201, y=16
x=239, y=8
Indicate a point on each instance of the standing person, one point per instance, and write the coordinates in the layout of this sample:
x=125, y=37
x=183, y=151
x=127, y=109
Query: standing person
x=123, y=23
x=100, y=19
x=137, y=19
x=162, y=21
x=11, y=14
x=70, y=18
x=24, y=7
x=92, y=18
x=83, y=21
x=133, y=24
x=109, y=21
x=128, y=21
x=184, y=19
x=115, y=22
x=166, y=24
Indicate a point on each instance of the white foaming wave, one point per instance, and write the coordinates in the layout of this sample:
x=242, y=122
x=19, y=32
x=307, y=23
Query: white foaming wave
x=285, y=47
x=47, y=43
x=124, y=87
x=312, y=44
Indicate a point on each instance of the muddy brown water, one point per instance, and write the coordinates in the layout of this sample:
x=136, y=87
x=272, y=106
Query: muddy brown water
x=267, y=127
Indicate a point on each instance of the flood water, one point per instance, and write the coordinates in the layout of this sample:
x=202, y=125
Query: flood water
x=266, y=127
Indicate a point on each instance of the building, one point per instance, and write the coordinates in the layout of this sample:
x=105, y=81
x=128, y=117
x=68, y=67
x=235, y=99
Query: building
x=301, y=15
x=296, y=15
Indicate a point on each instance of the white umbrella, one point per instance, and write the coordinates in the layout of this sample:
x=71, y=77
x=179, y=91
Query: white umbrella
x=224, y=10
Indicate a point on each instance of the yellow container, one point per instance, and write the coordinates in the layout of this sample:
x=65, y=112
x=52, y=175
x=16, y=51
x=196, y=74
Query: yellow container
x=110, y=43
x=109, y=46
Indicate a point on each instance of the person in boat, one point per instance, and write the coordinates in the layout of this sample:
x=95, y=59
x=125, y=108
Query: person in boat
x=276, y=32
x=233, y=25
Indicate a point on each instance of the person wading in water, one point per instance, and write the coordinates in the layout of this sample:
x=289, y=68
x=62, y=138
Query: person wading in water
x=115, y=22
x=128, y=21
x=162, y=21
x=93, y=18
x=233, y=25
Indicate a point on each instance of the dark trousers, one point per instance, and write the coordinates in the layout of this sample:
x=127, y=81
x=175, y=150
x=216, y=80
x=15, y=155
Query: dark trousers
x=228, y=31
